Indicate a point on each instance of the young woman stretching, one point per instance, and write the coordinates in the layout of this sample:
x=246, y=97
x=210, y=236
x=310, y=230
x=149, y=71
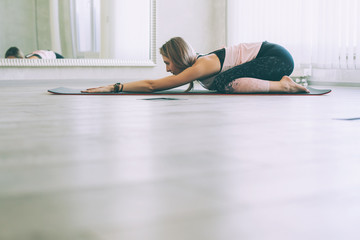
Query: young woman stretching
x=244, y=68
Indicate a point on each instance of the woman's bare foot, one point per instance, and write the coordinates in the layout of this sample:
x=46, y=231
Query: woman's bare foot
x=289, y=86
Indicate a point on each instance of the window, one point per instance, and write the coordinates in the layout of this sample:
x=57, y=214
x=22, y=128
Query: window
x=86, y=28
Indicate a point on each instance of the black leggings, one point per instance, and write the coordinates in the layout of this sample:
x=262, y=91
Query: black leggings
x=272, y=63
x=58, y=56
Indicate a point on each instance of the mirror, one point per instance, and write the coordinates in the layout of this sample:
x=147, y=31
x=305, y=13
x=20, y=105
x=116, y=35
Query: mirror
x=85, y=32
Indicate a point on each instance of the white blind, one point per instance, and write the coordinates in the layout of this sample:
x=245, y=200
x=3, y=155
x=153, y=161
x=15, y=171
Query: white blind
x=318, y=33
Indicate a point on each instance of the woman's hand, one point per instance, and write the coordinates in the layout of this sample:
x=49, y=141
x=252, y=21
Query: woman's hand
x=103, y=89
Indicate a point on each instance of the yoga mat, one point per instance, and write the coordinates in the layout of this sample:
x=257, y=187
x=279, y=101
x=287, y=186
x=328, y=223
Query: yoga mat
x=71, y=91
x=348, y=119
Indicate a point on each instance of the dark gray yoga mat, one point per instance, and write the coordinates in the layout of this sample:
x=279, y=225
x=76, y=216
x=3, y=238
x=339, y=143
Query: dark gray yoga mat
x=71, y=91
x=348, y=119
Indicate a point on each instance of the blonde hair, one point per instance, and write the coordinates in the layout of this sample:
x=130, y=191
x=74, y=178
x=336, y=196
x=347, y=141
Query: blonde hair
x=180, y=53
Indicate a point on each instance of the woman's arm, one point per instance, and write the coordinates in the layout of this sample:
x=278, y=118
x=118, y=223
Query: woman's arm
x=203, y=67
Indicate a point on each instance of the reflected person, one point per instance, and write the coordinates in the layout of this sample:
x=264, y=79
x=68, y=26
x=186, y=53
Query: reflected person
x=15, y=52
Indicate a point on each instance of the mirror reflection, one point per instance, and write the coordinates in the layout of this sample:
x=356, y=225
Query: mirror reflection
x=77, y=29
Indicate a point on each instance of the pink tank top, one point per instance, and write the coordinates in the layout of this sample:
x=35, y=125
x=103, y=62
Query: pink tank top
x=43, y=54
x=234, y=56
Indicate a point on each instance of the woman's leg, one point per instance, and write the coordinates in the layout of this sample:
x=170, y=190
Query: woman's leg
x=247, y=85
x=58, y=56
x=271, y=68
x=253, y=85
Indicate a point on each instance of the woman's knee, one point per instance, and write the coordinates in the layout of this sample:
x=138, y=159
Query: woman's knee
x=283, y=67
x=290, y=67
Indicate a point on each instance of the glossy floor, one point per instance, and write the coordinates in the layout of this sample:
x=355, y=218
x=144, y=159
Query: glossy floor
x=197, y=167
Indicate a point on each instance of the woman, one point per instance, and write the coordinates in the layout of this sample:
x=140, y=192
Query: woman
x=254, y=67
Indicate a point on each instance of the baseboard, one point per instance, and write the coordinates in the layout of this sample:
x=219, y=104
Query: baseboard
x=336, y=77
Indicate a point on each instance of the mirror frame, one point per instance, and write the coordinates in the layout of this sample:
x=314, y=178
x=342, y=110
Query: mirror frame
x=72, y=62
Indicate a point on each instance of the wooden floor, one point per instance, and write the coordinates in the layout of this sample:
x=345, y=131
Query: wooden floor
x=195, y=168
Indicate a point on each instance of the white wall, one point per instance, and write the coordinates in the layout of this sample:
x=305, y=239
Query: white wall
x=17, y=12
x=200, y=22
